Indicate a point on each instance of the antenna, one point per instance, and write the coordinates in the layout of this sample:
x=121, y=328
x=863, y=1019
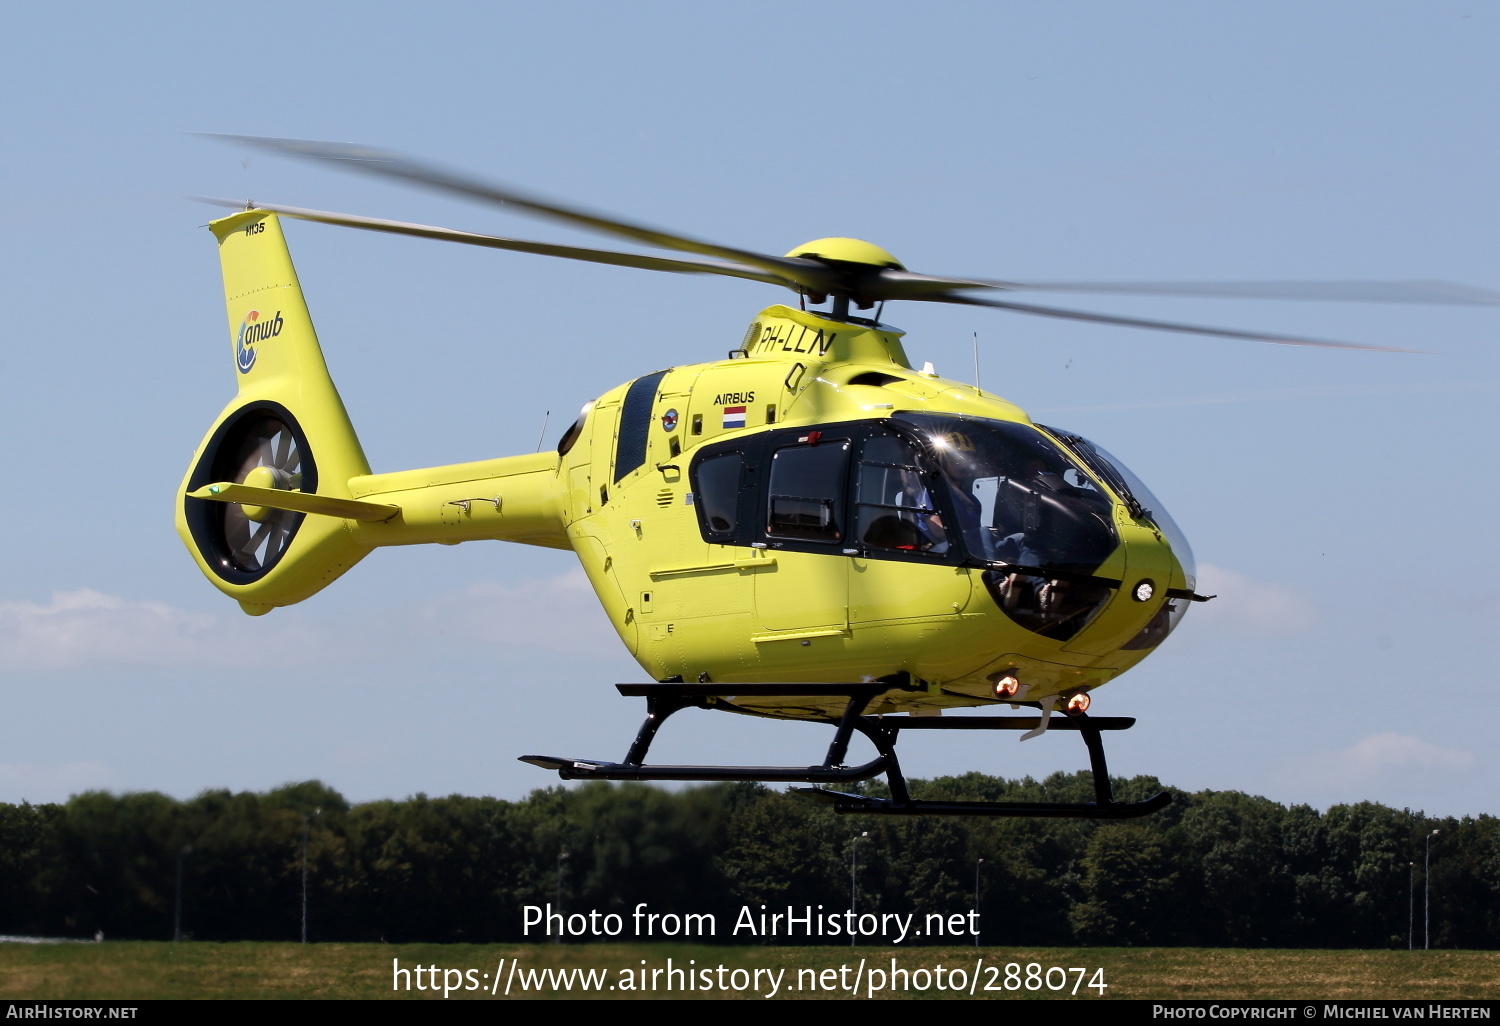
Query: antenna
x=976, y=361
x=542, y=437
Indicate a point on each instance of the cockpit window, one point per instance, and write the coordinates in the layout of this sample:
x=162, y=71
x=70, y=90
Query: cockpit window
x=1136, y=495
x=1133, y=491
x=1019, y=499
x=1041, y=522
x=806, y=495
x=895, y=509
x=1162, y=624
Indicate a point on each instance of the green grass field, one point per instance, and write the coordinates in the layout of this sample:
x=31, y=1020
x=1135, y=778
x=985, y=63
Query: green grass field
x=138, y=970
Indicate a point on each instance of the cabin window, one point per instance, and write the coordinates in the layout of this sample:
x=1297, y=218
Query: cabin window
x=635, y=424
x=1155, y=632
x=806, y=493
x=716, y=495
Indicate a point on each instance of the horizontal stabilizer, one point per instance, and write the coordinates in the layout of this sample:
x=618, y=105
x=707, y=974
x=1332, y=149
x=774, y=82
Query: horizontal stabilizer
x=299, y=502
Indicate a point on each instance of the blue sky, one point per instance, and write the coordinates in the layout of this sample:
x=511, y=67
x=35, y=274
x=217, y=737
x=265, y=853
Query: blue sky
x=1342, y=504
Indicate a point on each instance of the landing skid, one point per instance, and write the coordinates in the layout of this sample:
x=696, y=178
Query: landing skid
x=662, y=700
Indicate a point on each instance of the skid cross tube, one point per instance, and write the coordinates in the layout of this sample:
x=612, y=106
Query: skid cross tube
x=664, y=699
x=883, y=732
x=663, y=703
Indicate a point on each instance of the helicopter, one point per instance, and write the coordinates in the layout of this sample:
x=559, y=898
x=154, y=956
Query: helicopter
x=810, y=528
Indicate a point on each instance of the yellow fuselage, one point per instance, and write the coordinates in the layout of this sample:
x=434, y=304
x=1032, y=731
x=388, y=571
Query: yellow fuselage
x=686, y=604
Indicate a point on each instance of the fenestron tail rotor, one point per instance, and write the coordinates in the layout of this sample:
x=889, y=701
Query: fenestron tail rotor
x=845, y=271
x=268, y=456
x=259, y=446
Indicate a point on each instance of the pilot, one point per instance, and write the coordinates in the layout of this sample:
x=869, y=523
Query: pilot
x=960, y=474
x=915, y=528
x=932, y=537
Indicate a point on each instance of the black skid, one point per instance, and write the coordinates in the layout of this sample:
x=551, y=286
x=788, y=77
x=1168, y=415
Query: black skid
x=662, y=700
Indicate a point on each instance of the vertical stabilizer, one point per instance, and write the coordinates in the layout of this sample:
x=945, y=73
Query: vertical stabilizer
x=286, y=429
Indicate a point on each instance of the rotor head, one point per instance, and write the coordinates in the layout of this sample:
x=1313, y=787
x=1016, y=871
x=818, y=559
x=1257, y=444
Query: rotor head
x=847, y=251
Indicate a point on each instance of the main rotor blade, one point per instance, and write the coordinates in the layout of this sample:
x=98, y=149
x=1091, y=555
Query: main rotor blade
x=596, y=256
x=1135, y=322
x=1336, y=291
x=887, y=283
x=807, y=273
x=891, y=284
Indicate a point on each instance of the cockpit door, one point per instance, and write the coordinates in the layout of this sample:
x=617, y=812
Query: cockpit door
x=804, y=524
x=901, y=567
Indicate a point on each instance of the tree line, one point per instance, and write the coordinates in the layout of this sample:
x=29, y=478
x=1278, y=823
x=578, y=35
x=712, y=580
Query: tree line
x=1214, y=869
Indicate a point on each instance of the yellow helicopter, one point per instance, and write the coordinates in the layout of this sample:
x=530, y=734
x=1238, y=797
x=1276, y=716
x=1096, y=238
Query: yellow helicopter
x=811, y=528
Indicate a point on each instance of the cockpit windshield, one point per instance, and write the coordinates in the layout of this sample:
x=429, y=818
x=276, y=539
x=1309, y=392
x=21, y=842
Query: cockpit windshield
x=1133, y=491
x=1018, y=497
x=1135, y=495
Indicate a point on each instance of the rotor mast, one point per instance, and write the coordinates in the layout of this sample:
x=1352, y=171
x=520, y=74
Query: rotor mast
x=853, y=263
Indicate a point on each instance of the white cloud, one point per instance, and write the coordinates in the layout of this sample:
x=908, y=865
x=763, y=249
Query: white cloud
x=560, y=614
x=86, y=627
x=1246, y=606
x=1371, y=760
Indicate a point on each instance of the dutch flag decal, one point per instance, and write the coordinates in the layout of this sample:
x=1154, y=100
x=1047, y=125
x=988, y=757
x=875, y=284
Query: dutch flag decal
x=734, y=417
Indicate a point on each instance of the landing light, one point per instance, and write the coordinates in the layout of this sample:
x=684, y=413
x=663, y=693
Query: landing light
x=1007, y=686
x=1079, y=704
